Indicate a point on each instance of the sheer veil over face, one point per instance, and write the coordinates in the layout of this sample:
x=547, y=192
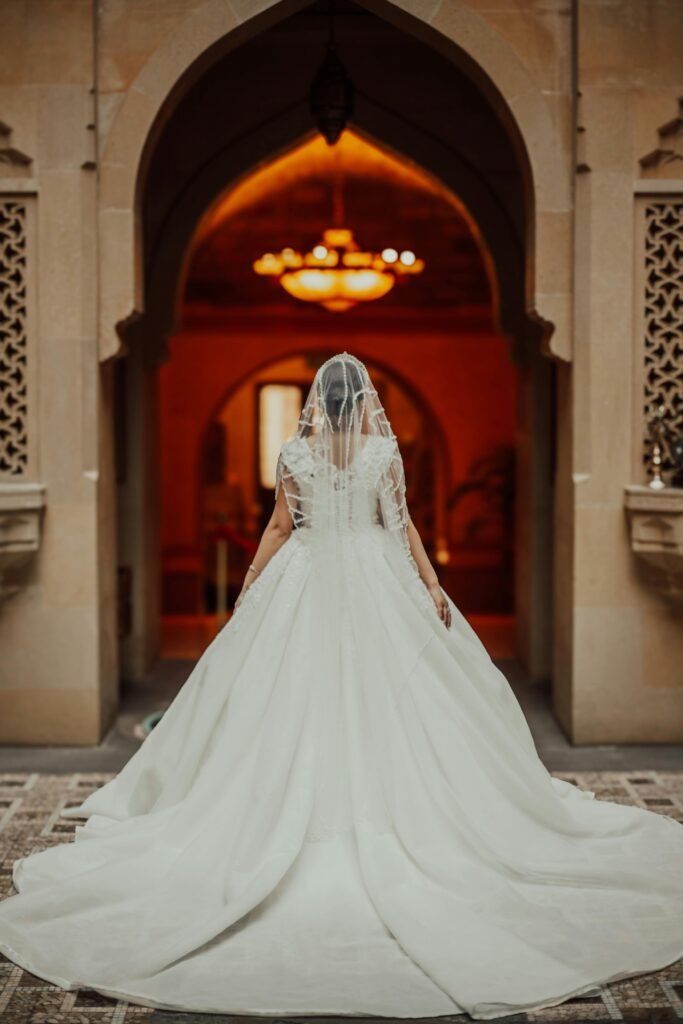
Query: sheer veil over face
x=342, y=469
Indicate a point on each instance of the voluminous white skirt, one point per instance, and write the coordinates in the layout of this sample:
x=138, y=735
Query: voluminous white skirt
x=343, y=812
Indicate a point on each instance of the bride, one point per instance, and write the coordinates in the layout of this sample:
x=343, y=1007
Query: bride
x=342, y=811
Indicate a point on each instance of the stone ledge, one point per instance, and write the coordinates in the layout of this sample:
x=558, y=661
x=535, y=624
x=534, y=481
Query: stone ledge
x=21, y=506
x=656, y=530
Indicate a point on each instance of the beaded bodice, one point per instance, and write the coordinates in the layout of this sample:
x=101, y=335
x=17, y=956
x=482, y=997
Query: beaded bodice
x=356, y=500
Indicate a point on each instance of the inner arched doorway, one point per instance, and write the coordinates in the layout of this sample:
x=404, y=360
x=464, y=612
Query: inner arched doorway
x=231, y=487
x=474, y=155
x=450, y=384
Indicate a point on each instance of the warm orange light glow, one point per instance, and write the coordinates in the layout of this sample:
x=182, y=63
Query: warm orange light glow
x=279, y=411
x=442, y=556
x=337, y=290
x=354, y=159
x=354, y=154
x=337, y=274
x=339, y=238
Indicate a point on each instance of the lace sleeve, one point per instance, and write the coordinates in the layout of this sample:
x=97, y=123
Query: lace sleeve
x=292, y=463
x=391, y=490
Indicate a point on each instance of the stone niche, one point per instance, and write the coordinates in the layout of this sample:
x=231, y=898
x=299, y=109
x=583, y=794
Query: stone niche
x=21, y=506
x=656, y=530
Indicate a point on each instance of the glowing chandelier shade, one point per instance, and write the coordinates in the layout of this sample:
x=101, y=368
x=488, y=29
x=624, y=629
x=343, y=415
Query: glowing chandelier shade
x=336, y=274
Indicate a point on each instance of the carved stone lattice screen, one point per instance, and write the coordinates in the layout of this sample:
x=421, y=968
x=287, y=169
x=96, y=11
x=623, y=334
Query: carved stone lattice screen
x=663, y=320
x=13, y=338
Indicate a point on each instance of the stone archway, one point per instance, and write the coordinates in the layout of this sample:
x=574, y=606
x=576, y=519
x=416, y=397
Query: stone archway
x=539, y=133
x=541, y=281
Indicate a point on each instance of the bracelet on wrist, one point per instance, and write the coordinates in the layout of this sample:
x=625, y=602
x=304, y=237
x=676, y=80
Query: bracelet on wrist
x=252, y=568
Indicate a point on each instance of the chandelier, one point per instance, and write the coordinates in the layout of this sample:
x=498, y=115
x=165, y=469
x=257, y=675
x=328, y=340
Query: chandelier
x=336, y=274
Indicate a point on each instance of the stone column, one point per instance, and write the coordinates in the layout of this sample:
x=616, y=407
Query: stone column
x=138, y=497
x=58, y=667
x=533, y=526
x=624, y=665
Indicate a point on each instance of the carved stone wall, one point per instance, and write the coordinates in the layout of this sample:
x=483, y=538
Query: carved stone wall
x=663, y=320
x=13, y=338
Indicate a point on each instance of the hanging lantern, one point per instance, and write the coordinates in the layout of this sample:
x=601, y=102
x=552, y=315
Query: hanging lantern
x=332, y=92
x=331, y=97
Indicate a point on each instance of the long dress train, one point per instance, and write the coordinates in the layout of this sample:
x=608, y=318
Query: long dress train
x=343, y=811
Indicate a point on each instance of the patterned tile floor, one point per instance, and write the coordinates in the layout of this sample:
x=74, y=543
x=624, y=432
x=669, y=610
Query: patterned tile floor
x=29, y=821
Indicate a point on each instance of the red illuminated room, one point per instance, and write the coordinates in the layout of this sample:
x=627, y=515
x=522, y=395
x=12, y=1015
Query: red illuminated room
x=247, y=350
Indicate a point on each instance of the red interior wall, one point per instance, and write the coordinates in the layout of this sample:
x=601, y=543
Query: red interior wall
x=466, y=378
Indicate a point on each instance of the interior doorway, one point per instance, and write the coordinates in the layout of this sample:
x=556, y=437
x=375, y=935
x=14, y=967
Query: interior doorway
x=238, y=448
x=452, y=188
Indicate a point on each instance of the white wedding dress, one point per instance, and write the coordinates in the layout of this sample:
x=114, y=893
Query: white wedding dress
x=343, y=812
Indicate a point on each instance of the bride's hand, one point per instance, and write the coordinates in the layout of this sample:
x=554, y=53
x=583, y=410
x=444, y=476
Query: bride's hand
x=240, y=596
x=248, y=581
x=441, y=604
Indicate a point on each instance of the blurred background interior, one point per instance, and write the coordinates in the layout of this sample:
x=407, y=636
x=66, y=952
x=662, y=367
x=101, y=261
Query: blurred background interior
x=245, y=355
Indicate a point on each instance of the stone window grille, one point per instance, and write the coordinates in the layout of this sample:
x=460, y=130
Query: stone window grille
x=662, y=297
x=16, y=214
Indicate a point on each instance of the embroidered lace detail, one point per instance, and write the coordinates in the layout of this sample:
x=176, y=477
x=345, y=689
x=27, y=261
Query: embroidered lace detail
x=373, y=459
x=343, y=468
x=292, y=559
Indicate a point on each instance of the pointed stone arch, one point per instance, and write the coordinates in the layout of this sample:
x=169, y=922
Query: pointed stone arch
x=535, y=124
